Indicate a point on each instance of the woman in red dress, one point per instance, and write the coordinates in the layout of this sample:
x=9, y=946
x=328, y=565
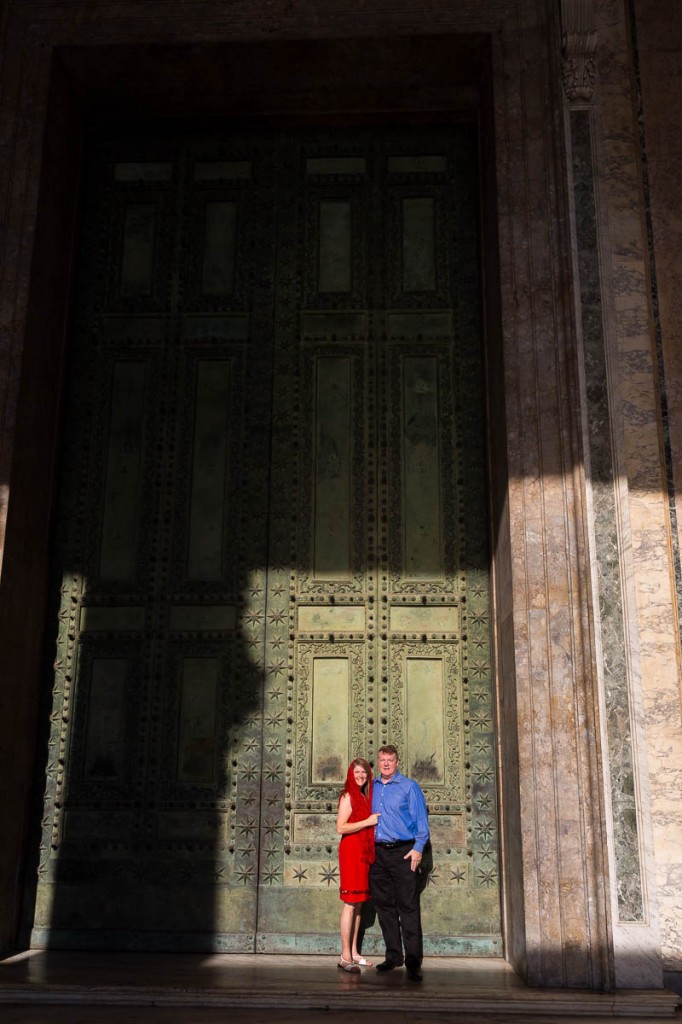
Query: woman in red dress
x=355, y=824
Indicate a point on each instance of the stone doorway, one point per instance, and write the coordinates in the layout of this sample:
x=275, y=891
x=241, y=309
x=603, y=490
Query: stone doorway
x=500, y=62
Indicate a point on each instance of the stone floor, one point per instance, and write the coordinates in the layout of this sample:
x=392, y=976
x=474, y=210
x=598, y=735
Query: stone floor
x=53, y=987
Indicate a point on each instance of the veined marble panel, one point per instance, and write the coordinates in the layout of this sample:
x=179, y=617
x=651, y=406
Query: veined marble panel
x=614, y=665
x=639, y=116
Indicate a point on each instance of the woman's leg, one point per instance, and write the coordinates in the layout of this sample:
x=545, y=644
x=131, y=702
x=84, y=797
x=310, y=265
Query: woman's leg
x=357, y=917
x=347, y=930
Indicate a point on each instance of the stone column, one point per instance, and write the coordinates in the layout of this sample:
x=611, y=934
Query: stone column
x=618, y=670
x=556, y=896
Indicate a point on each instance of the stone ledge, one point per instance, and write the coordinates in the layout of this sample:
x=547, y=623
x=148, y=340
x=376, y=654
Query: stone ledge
x=529, y=1003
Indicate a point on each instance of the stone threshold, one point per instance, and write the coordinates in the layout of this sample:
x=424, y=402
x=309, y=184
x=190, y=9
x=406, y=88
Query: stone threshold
x=262, y=981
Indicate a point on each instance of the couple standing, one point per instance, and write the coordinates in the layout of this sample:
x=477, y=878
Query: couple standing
x=383, y=829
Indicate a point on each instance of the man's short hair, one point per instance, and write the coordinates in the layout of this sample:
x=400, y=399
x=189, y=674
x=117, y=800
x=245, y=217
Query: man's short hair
x=388, y=748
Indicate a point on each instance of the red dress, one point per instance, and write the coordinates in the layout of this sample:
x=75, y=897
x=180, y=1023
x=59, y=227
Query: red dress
x=356, y=850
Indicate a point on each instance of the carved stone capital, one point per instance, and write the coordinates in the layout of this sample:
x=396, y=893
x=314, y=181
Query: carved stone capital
x=578, y=46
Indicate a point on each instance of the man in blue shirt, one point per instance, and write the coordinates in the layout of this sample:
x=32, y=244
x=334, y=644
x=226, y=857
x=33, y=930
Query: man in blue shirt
x=400, y=836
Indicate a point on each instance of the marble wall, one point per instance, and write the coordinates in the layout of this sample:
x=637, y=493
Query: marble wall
x=587, y=661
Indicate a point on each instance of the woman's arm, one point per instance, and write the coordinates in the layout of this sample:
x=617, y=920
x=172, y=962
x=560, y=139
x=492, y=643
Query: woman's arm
x=343, y=826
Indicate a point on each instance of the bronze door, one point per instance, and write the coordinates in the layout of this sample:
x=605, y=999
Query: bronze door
x=272, y=544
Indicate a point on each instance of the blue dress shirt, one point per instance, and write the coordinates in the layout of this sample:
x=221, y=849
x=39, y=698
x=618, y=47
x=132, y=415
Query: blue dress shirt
x=402, y=807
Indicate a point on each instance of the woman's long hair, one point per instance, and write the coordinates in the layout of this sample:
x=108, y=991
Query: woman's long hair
x=360, y=799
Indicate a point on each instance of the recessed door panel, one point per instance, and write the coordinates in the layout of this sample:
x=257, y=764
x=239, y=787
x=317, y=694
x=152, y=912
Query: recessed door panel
x=124, y=465
x=209, y=468
x=421, y=462
x=333, y=468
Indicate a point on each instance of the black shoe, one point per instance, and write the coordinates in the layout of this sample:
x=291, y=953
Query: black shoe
x=414, y=972
x=388, y=965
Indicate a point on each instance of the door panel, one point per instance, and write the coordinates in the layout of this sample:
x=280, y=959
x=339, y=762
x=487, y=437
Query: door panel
x=153, y=777
x=378, y=532
x=272, y=551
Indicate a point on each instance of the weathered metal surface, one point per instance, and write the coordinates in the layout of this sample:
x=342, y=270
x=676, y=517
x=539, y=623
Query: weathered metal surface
x=281, y=560
x=217, y=266
x=122, y=495
x=137, y=262
x=209, y=469
x=419, y=255
x=333, y=477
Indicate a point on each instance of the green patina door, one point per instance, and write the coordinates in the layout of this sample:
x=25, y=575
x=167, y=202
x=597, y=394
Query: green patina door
x=271, y=551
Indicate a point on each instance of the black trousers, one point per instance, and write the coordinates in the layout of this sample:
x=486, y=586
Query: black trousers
x=395, y=893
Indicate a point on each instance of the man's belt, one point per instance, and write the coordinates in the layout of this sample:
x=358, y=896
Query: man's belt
x=396, y=842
